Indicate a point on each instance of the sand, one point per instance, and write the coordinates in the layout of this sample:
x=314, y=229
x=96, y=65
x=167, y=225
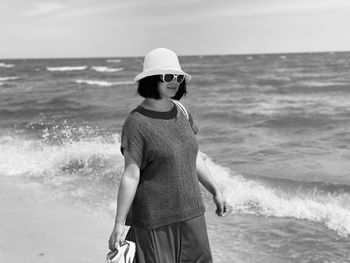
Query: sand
x=35, y=229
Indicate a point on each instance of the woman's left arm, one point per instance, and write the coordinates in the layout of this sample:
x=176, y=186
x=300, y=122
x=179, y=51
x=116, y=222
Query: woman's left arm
x=208, y=182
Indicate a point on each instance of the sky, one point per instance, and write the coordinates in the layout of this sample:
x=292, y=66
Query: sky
x=118, y=28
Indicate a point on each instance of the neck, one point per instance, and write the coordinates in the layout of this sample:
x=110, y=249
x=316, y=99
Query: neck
x=162, y=104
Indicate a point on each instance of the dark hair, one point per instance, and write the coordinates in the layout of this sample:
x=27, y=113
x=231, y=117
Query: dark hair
x=148, y=88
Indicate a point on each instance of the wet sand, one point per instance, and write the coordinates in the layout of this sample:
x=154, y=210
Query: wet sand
x=35, y=229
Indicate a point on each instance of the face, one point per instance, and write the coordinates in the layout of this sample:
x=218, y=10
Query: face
x=168, y=90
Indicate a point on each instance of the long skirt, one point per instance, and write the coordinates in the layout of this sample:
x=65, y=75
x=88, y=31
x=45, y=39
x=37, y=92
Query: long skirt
x=180, y=242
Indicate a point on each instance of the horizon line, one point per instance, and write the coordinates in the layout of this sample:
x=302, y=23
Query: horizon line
x=187, y=55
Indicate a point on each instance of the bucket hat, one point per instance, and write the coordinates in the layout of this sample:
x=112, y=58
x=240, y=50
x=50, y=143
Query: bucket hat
x=161, y=61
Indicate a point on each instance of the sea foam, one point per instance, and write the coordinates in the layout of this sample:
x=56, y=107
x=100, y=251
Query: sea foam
x=113, y=60
x=36, y=158
x=102, y=83
x=106, y=69
x=66, y=68
x=8, y=78
x=3, y=65
x=250, y=197
x=99, y=156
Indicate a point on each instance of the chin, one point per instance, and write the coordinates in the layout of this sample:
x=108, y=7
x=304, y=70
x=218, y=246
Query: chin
x=171, y=94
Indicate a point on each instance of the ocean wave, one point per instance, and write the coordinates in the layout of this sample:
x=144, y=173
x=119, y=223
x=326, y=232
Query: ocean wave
x=251, y=197
x=98, y=162
x=3, y=65
x=106, y=69
x=274, y=77
x=68, y=68
x=231, y=117
x=114, y=60
x=289, y=120
x=38, y=158
x=80, y=166
x=102, y=83
x=318, y=87
x=272, y=80
x=30, y=108
x=315, y=83
x=2, y=79
x=7, y=85
x=71, y=158
x=61, y=102
x=300, y=187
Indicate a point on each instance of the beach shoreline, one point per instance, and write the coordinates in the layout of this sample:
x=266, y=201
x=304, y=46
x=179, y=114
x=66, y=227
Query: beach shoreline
x=39, y=227
x=35, y=229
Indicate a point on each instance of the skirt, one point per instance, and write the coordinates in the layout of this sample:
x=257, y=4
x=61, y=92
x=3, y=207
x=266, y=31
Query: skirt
x=180, y=242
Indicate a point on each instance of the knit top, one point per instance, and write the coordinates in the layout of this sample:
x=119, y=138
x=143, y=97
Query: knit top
x=164, y=146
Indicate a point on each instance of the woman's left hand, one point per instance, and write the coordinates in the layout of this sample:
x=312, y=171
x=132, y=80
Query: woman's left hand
x=221, y=204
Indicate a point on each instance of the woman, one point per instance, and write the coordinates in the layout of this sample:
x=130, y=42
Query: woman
x=159, y=193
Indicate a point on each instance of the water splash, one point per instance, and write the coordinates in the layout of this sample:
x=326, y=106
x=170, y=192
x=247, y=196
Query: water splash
x=251, y=197
x=84, y=163
x=61, y=148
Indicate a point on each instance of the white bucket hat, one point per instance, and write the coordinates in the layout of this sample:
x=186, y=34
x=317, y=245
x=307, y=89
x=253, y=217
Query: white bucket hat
x=161, y=61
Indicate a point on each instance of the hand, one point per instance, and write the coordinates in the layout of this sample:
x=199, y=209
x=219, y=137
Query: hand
x=116, y=235
x=221, y=204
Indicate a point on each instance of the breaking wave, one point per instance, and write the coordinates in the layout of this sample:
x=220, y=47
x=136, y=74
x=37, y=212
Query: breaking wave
x=63, y=152
x=114, y=60
x=245, y=196
x=8, y=78
x=66, y=68
x=102, y=83
x=106, y=69
x=4, y=65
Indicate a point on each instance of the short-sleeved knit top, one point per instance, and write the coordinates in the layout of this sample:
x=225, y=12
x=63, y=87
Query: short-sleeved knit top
x=164, y=146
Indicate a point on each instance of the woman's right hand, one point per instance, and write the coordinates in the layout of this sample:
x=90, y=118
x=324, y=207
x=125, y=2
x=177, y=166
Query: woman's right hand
x=116, y=235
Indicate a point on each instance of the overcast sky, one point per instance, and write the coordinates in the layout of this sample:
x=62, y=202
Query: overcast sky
x=109, y=28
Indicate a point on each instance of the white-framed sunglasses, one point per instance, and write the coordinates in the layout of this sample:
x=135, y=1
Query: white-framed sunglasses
x=168, y=78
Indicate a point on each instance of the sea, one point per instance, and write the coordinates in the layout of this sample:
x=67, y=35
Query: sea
x=276, y=128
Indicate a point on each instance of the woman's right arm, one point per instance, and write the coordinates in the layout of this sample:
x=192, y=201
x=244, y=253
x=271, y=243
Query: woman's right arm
x=126, y=193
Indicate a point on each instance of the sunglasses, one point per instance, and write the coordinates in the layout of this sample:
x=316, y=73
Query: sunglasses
x=168, y=78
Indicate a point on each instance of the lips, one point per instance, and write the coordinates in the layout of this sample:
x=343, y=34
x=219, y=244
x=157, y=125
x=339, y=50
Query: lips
x=172, y=87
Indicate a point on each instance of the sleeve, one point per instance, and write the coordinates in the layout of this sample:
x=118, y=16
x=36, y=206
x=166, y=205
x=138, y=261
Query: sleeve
x=193, y=124
x=132, y=141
